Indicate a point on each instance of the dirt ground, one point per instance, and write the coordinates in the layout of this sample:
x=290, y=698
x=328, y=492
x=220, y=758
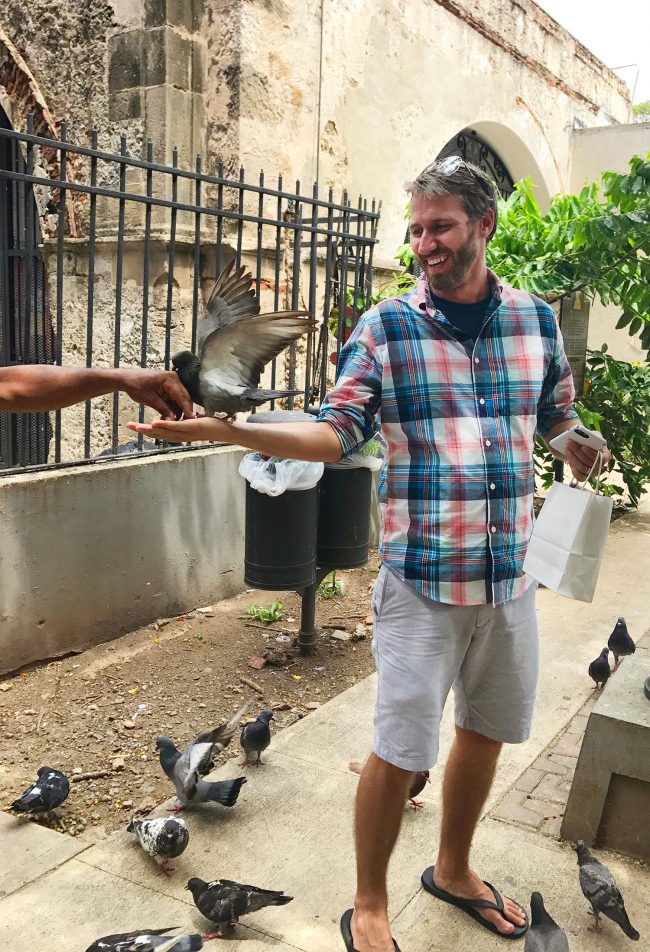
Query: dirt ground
x=96, y=715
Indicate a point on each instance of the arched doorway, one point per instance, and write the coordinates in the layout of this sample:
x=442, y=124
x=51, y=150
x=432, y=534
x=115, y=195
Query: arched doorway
x=471, y=147
x=26, y=334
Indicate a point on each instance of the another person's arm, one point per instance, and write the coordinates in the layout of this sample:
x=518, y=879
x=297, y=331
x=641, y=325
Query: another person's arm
x=31, y=388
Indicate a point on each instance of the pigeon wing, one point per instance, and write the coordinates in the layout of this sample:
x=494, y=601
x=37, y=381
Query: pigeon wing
x=197, y=759
x=236, y=354
x=255, y=897
x=232, y=299
x=546, y=939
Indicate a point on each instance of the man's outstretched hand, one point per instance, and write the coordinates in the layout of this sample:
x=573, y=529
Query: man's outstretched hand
x=159, y=389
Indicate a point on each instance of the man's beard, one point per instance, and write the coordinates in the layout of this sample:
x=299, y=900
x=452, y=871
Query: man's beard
x=462, y=261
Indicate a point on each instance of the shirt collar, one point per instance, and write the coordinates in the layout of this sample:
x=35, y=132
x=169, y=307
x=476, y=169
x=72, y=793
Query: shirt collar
x=424, y=301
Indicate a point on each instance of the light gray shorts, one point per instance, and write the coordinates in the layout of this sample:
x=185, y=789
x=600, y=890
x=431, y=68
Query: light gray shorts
x=423, y=648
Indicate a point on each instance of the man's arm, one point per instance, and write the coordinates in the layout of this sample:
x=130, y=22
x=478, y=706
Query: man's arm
x=32, y=388
x=579, y=457
x=315, y=441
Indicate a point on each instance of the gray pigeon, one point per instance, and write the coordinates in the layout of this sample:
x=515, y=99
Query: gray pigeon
x=256, y=737
x=187, y=768
x=224, y=901
x=147, y=940
x=620, y=642
x=544, y=934
x=599, y=670
x=235, y=344
x=599, y=887
x=164, y=838
x=46, y=793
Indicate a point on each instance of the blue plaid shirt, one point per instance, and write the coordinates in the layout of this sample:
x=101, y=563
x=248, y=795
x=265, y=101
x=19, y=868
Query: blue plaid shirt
x=459, y=419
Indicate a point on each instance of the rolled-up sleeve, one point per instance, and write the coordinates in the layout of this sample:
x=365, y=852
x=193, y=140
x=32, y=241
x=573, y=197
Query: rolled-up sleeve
x=351, y=407
x=558, y=393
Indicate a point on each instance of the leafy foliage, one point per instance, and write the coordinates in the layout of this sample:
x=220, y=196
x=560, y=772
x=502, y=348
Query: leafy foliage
x=259, y=613
x=331, y=587
x=597, y=242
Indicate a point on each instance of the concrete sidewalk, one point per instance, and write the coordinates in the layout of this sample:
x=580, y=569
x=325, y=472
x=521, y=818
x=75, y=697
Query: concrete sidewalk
x=292, y=826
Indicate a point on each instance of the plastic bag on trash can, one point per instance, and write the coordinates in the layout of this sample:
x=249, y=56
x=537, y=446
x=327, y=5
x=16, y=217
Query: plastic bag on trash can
x=275, y=476
x=371, y=455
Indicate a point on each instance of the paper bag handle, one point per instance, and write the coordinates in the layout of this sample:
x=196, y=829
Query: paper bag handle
x=583, y=485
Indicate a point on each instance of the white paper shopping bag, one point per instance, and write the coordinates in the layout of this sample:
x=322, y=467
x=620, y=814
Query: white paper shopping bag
x=568, y=540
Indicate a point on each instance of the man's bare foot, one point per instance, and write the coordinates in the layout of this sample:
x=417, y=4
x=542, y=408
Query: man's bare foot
x=371, y=931
x=471, y=886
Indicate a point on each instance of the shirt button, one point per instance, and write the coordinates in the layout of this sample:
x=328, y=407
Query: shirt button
x=481, y=400
x=493, y=529
x=476, y=360
x=488, y=442
x=492, y=486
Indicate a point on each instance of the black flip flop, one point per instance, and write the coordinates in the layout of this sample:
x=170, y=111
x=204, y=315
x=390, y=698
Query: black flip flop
x=346, y=931
x=470, y=906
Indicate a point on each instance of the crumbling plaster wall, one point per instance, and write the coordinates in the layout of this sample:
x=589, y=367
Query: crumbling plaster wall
x=397, y=81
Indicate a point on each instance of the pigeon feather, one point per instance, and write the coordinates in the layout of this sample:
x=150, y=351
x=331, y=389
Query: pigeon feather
x=46, y=793
x=544, y=935
x=222, y=901
x=162, y=836
x=600, y=889
x=147, y=940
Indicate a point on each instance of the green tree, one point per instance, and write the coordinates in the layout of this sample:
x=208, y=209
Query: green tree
x=641, y=111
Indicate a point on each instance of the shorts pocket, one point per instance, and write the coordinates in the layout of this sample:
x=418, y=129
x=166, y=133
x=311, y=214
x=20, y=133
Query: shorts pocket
x=379, y=591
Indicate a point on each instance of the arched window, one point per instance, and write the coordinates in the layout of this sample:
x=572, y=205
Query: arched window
x=26, y=334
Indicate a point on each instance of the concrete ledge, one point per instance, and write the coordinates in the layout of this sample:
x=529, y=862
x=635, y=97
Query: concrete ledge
x=92, y=552
x=610, y=795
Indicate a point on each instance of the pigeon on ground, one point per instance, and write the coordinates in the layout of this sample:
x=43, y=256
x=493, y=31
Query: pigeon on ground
x=544, y=934
x=599, y=670
x=599, y=887
x=186, y=768
x=256, y=737
x=419, y=782
x=620, y=643
x=235, y=344
x=147, y=940
x=46, y=793
x=224, y=901
x=164, y=838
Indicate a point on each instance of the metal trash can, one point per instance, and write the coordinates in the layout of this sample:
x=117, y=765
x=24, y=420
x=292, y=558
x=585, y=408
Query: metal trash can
x=280, y=534
x=344, y=516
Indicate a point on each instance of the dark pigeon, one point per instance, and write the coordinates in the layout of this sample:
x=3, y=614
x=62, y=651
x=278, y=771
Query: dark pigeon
x=599, y=670
x=187, y=768
x=256, y=737
x=235, y=344
x=544, y=934
x=620, y=642
x=600, y=889
x=418, y=783
x=46, y=793
x=224, y=901
x=147, y=940
x=164, y=838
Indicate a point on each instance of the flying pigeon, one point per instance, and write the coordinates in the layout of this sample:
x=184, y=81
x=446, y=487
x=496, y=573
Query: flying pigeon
x=224, y=901
x=418, y=783
x=46, y=793
x=235, y=344
x=599, y=887
x=256, y=737
x=186, y=768
x=147, y=940
x=599, y=670
x=544, y=934
x=164, y=838
x=620, y=643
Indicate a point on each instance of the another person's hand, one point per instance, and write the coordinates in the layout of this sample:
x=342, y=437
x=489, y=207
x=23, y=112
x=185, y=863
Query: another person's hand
x=185, y=431
x=581, y=458
x=159, y=389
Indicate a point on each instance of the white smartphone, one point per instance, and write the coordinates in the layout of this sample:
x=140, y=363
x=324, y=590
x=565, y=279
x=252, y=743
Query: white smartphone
x=579, y=435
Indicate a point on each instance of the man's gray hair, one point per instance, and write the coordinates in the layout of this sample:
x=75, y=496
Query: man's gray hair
x=473, y=186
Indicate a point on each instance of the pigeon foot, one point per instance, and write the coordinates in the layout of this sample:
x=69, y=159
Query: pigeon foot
x=244, y=764
x=166, y=869
x=416, y=804
x=211, y=935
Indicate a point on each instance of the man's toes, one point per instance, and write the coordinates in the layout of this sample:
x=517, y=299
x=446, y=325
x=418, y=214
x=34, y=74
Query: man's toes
x=514, y=912
x=495, y=917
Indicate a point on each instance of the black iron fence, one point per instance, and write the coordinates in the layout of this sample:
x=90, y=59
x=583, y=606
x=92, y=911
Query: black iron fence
x=105, y=260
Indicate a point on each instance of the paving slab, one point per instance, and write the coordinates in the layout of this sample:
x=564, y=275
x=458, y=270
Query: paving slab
x=291, y=829
x=77, y=903
x=30, y=850
x=518, y=862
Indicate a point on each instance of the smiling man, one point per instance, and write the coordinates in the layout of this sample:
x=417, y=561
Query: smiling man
x=462, y=372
